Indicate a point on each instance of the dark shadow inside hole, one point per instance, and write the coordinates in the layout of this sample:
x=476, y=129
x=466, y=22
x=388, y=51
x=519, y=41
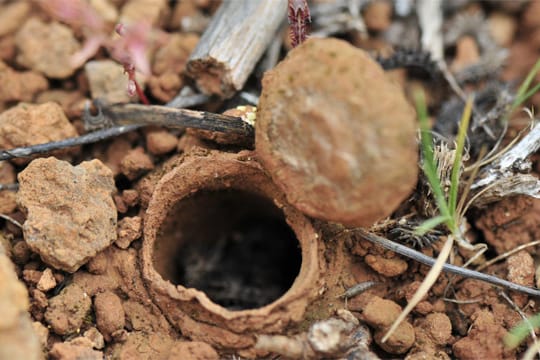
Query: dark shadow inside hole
x=233, y=245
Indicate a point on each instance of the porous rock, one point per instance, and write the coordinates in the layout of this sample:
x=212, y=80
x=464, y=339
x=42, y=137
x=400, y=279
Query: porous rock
x=28, y=124
x=336, y=134
x=70, y=212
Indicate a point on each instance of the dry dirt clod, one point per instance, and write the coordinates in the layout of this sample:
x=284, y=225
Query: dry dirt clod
x=28, y=124
x=66, y=311
x=135, y=163
x=110, y=316
x=484, y=340
x=7, y=197
x=46, y=48
x=387, y=267
x=11, y=16
x=46, y=281
x=17, y=337
x=70, y=212
x=336, y=135
x=160, y=142
x=23, y=85
x=381, y=313
x=192, y=350
x=378, y=15
x=129, y=229
x=521, y=271
x=69, y=351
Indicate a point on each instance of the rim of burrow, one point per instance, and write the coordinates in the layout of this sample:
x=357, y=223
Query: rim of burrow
x=191, y=310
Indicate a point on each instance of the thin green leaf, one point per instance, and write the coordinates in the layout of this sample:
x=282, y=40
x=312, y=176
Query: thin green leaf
x=529, y=93
x=454, y=178
x=521, y=331
x=525, y=85
x=430, y=224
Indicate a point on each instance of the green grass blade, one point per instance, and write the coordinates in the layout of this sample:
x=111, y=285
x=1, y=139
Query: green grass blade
x=430, y=166
x=430, y=224
x=529, y=93
x=521, y=331
x=454, y=178
x=525, y=85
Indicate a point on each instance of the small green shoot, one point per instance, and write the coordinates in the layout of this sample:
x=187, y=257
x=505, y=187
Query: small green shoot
x=521, y=331
x=447, y=207
x=524, y=93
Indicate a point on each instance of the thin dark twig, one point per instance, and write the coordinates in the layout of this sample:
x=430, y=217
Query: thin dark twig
x=136, y=114
x=11, y=187
x=62, y=144
x=427, y=260
x=132, y=117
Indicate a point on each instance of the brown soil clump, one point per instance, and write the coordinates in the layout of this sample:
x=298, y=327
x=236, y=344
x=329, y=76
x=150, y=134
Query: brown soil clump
x=314, y=107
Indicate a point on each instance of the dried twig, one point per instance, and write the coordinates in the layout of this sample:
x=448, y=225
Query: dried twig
x=11, y=220
x=232, y=44
x=427, y=260
x=340, y=337
x=12, y=187
x=136, y=114
x=184, y=98
x=62, y=144
x=507, y=174
x=507, y=254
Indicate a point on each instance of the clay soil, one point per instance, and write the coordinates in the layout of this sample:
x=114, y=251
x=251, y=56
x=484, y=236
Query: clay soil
x=230, y=258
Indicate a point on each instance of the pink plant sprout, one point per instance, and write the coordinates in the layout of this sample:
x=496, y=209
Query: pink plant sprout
x=298, y=15
x=130, y=48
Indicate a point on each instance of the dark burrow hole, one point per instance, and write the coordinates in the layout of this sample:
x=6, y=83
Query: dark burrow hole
x=233, y=245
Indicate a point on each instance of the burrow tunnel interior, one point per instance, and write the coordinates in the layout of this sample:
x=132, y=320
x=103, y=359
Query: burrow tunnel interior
x=234, y=245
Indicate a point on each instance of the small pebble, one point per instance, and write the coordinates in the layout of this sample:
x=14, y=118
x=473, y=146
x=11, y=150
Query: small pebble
x=47, y=281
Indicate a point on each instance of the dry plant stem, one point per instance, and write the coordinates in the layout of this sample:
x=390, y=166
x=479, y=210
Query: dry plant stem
x=514, y=162
x=62, y=144
x=453, y=269
x=428, y=282
x=136, y=114
x=187, y=98
x=76, y=141
x=523, y=316
x=532, y=351
x=507, y=254
x=234, y=41
x=12, y=187
x=11, y=220
x=430, y=17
